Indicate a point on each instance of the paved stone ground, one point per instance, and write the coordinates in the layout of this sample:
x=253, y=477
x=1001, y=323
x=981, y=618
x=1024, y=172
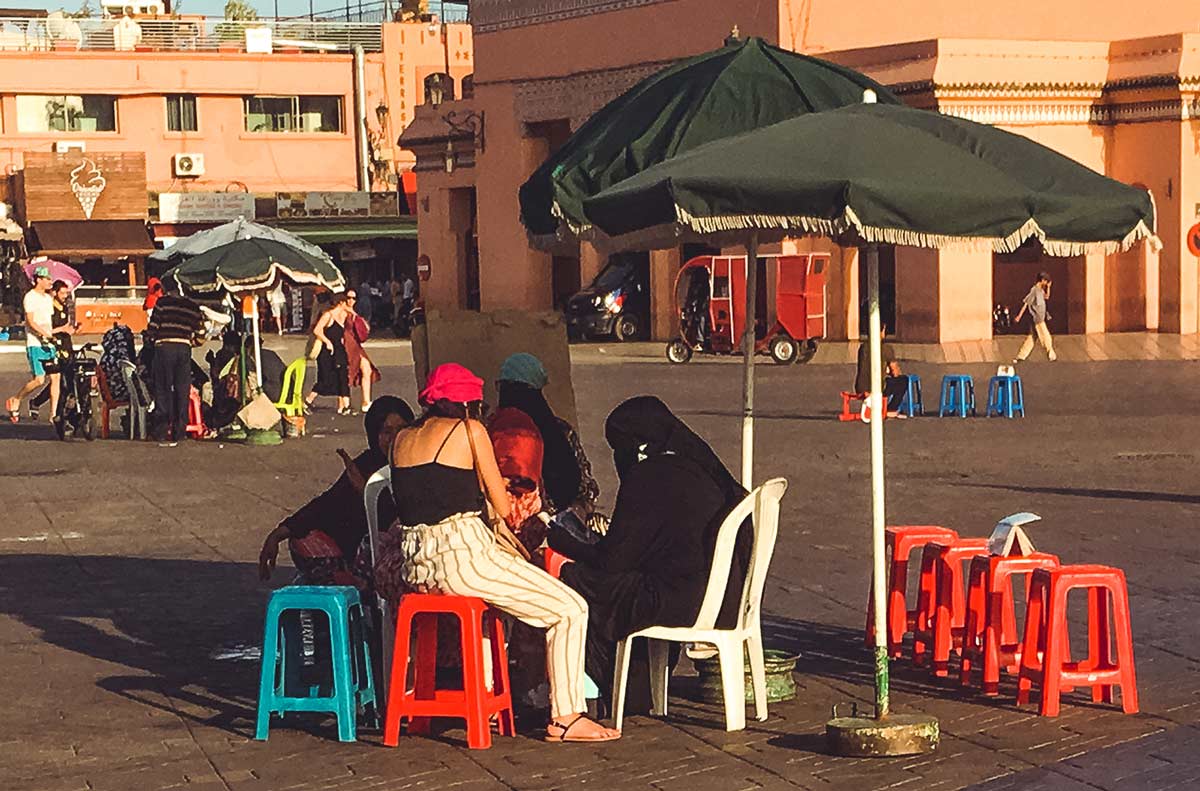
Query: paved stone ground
x=128, y=592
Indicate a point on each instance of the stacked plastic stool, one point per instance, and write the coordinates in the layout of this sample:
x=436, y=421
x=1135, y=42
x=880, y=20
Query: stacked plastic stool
x=1044, y=658
x=990, y=635
x=902, y=540
x=913, y=403
x=195, y=421
x=474, y=703
x=353, y=685
x=958, y=395
x=1006, y=396
x=941, y=600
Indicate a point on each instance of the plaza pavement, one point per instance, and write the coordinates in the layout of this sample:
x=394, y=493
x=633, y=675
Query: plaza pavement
x=130, y=608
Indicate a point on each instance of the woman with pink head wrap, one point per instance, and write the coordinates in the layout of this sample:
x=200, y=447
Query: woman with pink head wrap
x=444, y=476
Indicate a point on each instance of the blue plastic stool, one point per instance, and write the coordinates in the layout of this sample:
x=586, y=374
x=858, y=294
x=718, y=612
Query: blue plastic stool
x=1006, y=396
x=913, y=402
x=353, y=685
x=958, y=395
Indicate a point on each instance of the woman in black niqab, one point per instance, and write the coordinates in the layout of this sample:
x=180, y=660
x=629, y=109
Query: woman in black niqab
x=652, y=567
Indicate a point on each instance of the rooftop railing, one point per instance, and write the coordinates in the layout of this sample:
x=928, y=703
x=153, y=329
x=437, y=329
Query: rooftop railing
x=186, y=35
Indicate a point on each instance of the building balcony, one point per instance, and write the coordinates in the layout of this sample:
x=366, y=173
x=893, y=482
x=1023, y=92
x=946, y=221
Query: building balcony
x=55, y=33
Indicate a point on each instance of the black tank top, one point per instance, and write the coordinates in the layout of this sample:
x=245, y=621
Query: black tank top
x=425, y=494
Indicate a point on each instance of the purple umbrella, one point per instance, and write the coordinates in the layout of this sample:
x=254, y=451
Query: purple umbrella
x=58, y=271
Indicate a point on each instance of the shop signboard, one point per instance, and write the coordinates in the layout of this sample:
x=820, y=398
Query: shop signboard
x=303, y=205
x=204, y=206
x=84, y=186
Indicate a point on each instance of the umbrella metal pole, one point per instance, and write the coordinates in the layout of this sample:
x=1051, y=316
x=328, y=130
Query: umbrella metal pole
x=748, y=343
x=257, y=345
x=878, y=407
x=885, y=733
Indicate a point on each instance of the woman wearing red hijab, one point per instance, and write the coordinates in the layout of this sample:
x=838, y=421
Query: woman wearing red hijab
x=442, y=467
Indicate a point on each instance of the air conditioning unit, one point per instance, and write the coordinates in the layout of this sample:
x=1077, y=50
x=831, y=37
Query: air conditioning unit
x=66, y=146
x=188, y=164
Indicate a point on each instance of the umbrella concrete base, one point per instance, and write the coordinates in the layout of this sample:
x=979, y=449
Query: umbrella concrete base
x=261, y=437
x=896, y=734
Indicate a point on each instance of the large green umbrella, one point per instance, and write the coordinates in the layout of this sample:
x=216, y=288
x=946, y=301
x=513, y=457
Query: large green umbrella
x=872, y=174
x=745, y=85
x=878, y=173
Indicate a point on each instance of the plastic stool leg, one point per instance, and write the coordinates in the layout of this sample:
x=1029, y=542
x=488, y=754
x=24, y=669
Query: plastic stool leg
x=479, y=733
x=1124, y=640
x=1033, y=642
x=364, y=679
x=343, y=675
x=266, y=681
x=398, y=679
x=1052, y=662
x=500, y=676
x=425, y=672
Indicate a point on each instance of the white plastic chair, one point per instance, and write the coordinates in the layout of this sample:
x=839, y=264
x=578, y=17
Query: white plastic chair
x=379, y=482
x=732, y=644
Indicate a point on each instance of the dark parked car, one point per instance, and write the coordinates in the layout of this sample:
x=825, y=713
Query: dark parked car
x=616, y=304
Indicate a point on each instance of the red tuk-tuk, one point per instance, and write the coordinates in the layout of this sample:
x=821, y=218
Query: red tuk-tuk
x=710, y=294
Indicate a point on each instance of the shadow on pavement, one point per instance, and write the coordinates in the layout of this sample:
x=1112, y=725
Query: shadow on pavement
x=167, y=619
x=1103, y=494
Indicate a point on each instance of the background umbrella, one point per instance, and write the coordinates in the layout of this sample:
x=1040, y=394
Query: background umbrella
x=249, y=267
x=58, y=271
x=870, y=174
x=744, y=85
x=253, y=265
x=203, y=241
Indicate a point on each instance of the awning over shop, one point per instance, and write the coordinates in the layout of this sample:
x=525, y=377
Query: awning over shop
x=91, y=238
x=334, y=231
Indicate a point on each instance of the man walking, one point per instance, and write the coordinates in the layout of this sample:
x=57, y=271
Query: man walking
x=1035, y=304
x=39, y=343
x=174, y=329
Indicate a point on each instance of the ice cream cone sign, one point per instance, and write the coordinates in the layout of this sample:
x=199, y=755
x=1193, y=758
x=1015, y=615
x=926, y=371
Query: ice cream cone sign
x=87, y=183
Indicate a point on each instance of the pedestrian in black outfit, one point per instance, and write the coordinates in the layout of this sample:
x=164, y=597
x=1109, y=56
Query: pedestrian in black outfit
x=173, y=329
x=652, y=566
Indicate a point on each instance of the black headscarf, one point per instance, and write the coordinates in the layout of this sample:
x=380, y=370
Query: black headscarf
x=645, y=425
x=560, y=469
x=373, y=421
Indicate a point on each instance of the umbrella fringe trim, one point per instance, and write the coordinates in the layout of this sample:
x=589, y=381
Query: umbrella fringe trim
x=849, y=222
x=253, y=283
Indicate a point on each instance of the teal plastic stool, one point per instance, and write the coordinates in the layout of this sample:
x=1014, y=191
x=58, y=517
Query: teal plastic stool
x=353, y=684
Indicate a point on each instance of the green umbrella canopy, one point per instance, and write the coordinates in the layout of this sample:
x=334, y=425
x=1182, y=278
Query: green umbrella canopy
x=878, y=174
x=248, y=265
x=745, y=85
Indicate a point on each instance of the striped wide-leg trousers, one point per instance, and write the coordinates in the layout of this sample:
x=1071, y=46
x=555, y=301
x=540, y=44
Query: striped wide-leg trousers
x=458, y=556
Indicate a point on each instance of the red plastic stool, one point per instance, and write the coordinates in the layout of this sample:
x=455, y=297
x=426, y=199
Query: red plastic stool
x=990, y=631
x=941, y=601
x=849, y=414
x=195, y=423
x=1043, y=658
x=901, y=541
x=473, y=702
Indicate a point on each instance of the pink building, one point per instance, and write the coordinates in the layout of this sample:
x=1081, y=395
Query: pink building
x=218, y=108
x=1113, y=85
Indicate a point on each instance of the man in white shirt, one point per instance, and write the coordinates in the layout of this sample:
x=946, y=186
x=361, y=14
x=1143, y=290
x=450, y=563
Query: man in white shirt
x=39, y=343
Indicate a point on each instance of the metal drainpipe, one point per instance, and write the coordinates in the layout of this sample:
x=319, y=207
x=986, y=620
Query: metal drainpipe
x=361, y=147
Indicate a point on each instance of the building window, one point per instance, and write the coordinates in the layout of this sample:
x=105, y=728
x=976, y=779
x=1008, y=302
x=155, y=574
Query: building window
x=181, y=113
x=40, y=113
x=293, y=113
